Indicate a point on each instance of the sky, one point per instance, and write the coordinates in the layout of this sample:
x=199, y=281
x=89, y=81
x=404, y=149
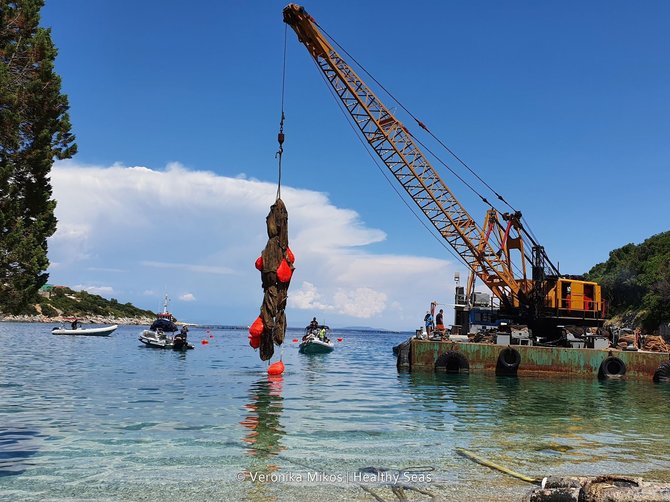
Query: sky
x=562, y=107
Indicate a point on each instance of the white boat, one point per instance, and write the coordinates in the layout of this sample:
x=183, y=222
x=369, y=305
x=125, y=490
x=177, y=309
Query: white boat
x=316, y=340
x=102, y=331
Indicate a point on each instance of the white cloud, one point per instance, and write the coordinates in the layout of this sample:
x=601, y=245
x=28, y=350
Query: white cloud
x=95, y=290
x=190, y=268
x=307, y=298
x=362, y=303
x=187, y=297
x=196, y=231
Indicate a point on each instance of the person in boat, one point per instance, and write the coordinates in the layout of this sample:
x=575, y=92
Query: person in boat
x=322, y=334
x=184, y=332
x=75, y=324
x=314, y=325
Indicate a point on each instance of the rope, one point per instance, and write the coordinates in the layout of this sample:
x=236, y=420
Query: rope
x=280, y=136
x=424, y=127
x=468, y=454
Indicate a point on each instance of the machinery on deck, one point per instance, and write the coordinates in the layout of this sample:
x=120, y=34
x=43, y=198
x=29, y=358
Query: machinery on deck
x=500, y=252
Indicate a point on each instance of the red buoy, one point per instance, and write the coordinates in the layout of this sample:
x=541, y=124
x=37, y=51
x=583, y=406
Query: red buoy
x=295, y=340
x=339, y=339
x=257, y=327
x=276, y=368
x=289, y=256
x=255, y=341
x=284, y=272
x=259, y=263
x=204, y=342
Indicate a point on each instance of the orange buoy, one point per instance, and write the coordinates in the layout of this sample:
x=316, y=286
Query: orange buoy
x=256, y=329
x=259, y=263
x=284, y=272
x=204, y=342
x=276, y=368
x=290, y=256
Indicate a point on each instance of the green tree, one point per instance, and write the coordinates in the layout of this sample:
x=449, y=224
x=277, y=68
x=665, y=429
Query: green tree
x=34, y=130
x=636, y=278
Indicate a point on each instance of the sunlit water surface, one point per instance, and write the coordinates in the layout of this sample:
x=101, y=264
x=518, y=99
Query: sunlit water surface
x=105, y=418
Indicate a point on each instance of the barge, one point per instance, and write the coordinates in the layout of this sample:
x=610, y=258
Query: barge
x=527, y=360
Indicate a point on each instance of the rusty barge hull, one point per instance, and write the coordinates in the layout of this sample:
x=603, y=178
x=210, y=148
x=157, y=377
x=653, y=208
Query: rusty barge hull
x=427, y=355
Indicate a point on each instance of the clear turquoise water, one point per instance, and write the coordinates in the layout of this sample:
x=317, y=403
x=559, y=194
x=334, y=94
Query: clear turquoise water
x=88, y=418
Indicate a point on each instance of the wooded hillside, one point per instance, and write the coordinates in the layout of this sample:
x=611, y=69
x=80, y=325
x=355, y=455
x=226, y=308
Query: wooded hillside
x=636, y=281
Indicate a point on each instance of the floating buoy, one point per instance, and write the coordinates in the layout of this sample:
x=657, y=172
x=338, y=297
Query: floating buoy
x=256, y=329
x=276, y=368
x=255, y=341
x=259, y=263
x=204, y=342
x=211, y=336
x=295, y=340
x=284, y=272
x=339, y=339
x=290, y=256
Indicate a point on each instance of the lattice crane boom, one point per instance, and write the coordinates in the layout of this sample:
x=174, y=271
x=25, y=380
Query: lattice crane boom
x=395, y=146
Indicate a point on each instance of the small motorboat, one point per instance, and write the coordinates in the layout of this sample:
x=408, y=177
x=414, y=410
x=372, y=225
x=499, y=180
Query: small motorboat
x=157, y=335
x=158, y=339
x=316, y=340
x=102, y=331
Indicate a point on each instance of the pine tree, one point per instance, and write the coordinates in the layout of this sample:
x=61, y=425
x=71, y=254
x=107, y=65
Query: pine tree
x=34, y=130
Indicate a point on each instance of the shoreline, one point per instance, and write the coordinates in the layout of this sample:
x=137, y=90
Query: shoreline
x=86, y=319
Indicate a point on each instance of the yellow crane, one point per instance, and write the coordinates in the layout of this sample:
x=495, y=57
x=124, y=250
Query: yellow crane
x=495, y=252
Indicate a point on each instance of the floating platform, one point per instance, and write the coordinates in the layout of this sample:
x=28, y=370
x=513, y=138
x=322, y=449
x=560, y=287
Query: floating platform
x=522, y=360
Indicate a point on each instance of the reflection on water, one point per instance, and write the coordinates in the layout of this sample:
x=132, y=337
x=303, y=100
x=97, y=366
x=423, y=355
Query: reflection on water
x=264, y=434
x=263, y=421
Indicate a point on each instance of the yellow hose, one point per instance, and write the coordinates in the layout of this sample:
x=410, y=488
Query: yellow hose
x=492, y=465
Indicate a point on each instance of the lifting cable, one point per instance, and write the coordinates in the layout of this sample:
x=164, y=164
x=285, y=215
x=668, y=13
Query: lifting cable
x=280, y=135
x=384, y=171
x=526, y=228
x=424, y=127
x=421, y=124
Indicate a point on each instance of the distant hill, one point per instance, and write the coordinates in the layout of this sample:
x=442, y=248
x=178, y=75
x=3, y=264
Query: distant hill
x=636, y=282
x=61, y=301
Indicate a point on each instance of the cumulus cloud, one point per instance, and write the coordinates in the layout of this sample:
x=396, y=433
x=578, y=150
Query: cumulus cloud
x=141, y=231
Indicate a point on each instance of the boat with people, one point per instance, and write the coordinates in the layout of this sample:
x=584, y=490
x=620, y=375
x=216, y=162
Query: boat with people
x=315, y=340
x=77, y=329
x=160, y=334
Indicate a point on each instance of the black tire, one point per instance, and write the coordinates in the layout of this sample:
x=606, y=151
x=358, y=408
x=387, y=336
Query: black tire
x=404, y=355
x=662, y=373
x=452, y=361
x=508, y=363
x=611, y=367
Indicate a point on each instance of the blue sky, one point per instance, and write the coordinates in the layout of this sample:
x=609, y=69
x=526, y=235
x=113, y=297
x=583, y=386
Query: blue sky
x=563, y=107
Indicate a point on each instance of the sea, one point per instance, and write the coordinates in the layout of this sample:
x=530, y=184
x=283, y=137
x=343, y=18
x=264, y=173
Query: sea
x=108, y=419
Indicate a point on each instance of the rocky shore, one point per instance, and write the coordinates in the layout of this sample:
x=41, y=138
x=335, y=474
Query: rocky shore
x=132, y=321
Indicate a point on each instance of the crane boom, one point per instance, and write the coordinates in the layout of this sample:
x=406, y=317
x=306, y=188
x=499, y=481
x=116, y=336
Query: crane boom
x=395, y=146
x=546, y=301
